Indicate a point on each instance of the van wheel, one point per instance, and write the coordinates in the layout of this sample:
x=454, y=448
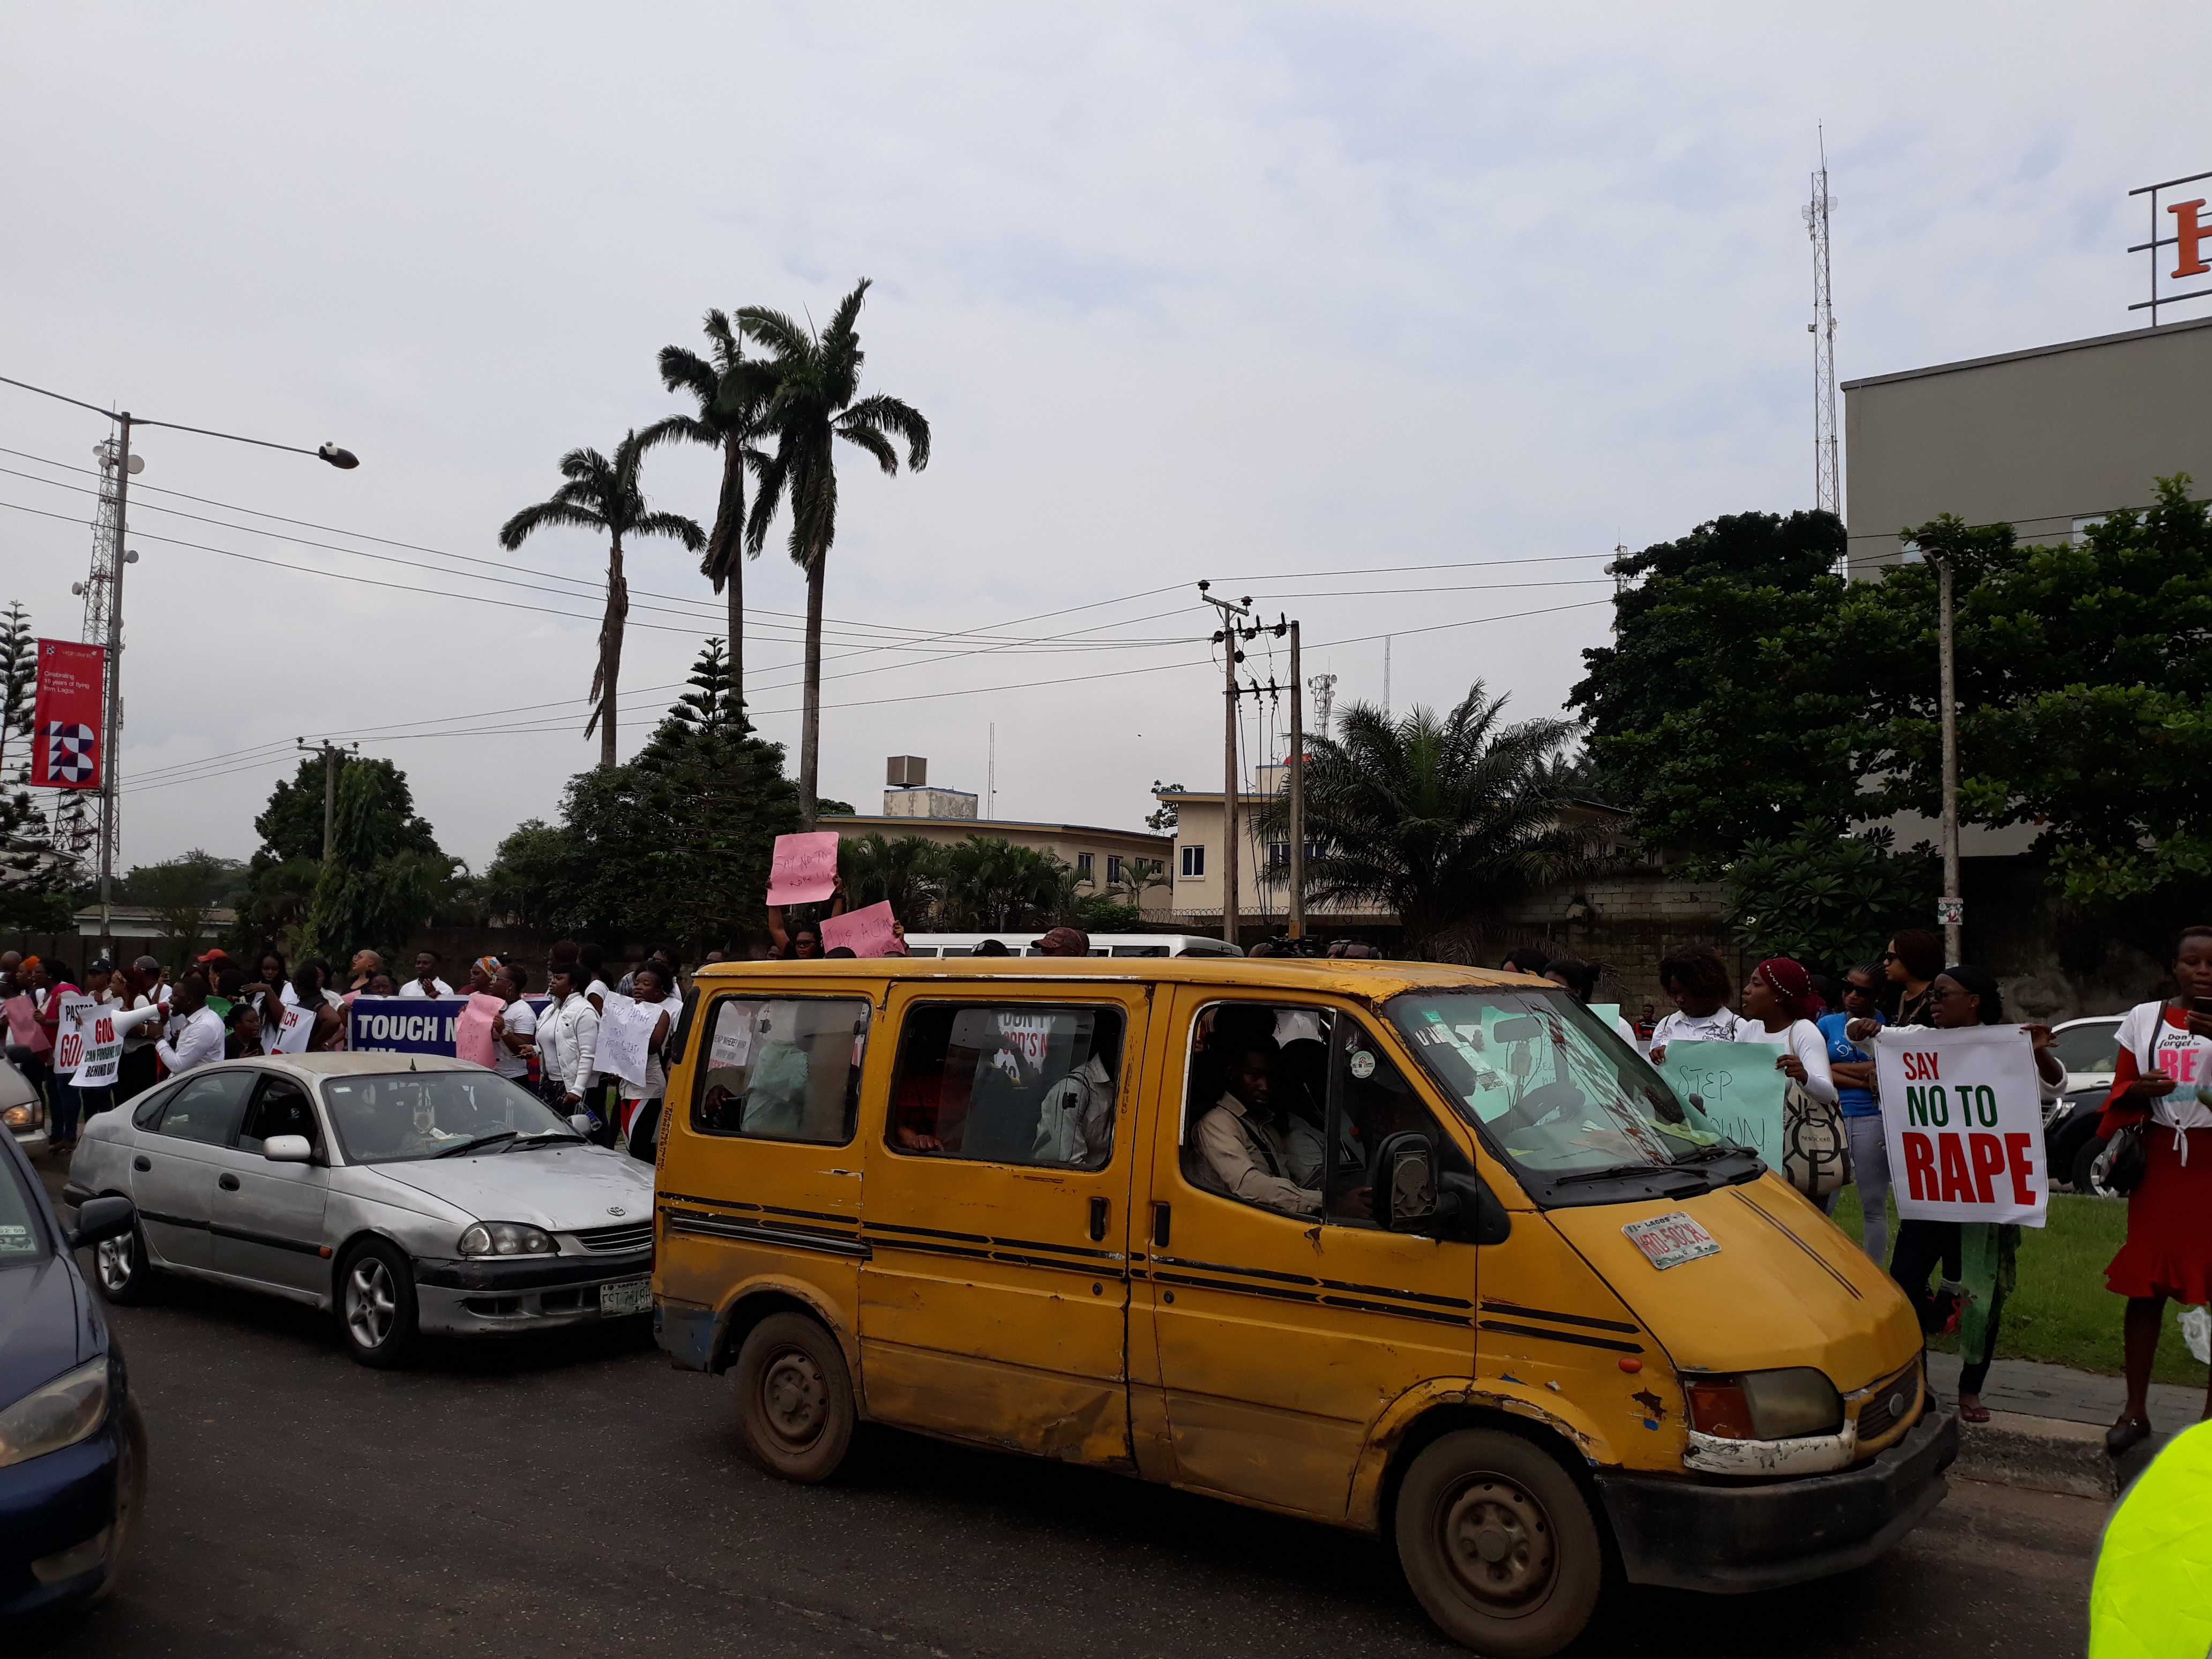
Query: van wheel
x=794, y=1398
x=1498, y=1545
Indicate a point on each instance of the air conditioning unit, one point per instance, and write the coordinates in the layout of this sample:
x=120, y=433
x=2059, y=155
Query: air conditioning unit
x=906, y=772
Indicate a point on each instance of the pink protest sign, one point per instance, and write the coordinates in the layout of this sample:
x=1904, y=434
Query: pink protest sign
x=23, y=1025
x=865, y=933
x=804, y=869
x=472, y=1039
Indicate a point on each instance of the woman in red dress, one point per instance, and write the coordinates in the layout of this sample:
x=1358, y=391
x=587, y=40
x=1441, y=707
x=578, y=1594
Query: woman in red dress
x=2163, y=1081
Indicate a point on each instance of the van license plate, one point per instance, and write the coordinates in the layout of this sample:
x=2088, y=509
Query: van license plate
x=629, y=1295
x=1669, y=1241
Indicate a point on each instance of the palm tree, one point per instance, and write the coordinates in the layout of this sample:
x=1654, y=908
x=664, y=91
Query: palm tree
x=1138, y=877
x=734, y=428
x=903, y=873
x=811, y=384
x=1442, y=821
x=603, y=494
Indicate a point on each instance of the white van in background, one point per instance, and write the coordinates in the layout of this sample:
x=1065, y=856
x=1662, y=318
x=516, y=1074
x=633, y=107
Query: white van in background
x=1022, y=942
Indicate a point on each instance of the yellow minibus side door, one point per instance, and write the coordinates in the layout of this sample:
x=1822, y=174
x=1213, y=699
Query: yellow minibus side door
x=994, y=1301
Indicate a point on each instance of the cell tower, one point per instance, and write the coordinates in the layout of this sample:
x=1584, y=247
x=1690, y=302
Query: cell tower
x=1827, y=487
x=75, y=824
x=1323, y=687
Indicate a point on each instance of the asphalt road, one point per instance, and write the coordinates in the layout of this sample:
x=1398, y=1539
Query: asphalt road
x=578, y=1496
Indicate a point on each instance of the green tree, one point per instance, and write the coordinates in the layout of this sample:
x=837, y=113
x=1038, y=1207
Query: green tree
x=528, y=875
x=1443, y=820
x=810, y=388
x=1163, y=815
x=180, y=891
x=731, y=424
x=389, y=876
x=19, y=679
x=1826, y=897
x=603, y=495
x=1138, y=877
x=904, y=873
x=1722, y=712
x=988, y=884
x=291, y=824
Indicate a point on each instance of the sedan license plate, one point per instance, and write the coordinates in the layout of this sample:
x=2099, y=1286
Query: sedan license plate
x=628, y=1296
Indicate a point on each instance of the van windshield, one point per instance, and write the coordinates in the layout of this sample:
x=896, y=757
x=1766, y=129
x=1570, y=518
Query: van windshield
x=1552, y=1090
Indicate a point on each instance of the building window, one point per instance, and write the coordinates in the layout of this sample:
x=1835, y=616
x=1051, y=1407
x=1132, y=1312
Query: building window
x=1278, y=857
x=1193, y=861
x=1114, y=867
x=1083, y=866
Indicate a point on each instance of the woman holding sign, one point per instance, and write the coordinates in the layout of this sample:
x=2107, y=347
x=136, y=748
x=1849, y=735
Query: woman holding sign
x=2161, y=1090
x=1962, y=996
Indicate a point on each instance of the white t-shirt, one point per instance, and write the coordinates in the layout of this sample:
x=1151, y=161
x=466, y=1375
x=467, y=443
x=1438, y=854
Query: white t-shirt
x=2186, y=1058
x=1721, y=1025
x=414, y=988
x=521, y=1022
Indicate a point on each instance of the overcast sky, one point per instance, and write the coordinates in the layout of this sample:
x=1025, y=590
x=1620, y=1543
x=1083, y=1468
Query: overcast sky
x=1219, y=291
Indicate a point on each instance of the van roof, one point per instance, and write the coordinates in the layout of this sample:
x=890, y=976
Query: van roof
x=1369, y=980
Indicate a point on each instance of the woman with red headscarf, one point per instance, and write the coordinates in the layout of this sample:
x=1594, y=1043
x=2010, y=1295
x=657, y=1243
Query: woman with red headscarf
x=1779, y=1005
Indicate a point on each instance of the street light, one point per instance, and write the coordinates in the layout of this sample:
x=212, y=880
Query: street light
x=125, y=464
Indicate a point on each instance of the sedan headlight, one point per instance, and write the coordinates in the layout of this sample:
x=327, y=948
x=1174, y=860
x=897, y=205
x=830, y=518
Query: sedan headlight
x=63, y=1412
x=1765, y=1405
x=505, y=1239
x=29, y=1115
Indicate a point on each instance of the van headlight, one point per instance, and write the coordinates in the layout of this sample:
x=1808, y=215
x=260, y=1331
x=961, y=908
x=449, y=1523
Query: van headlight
x=1784, y=1405
x=505, y=1239
x=63, y=1412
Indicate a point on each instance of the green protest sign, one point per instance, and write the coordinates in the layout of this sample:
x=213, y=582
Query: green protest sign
x=1741, y=1091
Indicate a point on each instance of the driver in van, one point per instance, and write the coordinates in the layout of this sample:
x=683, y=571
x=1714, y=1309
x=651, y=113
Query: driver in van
x=1247, y=1146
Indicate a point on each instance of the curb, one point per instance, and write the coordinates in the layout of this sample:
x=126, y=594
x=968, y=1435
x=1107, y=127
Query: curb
x=2048, y=1454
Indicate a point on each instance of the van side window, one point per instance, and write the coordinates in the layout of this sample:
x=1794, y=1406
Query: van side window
x=1001, y=1083
x=782, y=1068
x=1370, y=1102
x=1256, y=1104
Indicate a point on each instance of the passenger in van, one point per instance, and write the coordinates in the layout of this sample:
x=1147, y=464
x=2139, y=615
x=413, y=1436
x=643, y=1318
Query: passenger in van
x=1076, y=1125
x=1065, y=942
x=1246, y=1146
x=993, y=947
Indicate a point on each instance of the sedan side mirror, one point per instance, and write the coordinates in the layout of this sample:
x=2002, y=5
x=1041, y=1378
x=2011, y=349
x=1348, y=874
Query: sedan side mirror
x=99, y=1219
x=288, y=1149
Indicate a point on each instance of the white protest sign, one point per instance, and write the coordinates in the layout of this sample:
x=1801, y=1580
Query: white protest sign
x=75, y=1014
x=103, y=1049
x=294, y=1027
x=1964, y=1120
x=732, y=1043
x=626, y=1038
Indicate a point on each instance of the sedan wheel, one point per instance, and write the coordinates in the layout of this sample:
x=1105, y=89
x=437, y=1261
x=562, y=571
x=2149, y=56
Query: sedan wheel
x=376, y=1305
x=119, y=1266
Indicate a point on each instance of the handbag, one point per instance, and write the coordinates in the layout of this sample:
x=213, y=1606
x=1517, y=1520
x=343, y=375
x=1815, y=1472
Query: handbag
x=1816, y=1149
x=2119, y=1169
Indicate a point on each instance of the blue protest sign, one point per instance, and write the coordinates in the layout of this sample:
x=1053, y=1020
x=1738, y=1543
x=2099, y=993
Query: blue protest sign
x=410, y=1025
x=1741, y=1091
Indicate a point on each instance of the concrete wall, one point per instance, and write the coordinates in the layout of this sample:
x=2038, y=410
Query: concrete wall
x=2034, y=438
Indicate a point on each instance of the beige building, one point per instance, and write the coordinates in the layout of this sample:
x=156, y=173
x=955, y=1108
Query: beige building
x=2046, y=440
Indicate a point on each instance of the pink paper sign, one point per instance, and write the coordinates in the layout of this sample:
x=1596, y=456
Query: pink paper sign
x=472, y=1039
x=865, y=933
x=23, y=1025
x=804, y=868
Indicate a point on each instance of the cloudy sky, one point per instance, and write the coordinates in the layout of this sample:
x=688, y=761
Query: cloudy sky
x=1441, y=301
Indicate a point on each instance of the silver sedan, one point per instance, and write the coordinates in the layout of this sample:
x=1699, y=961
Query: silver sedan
x=411, y=1194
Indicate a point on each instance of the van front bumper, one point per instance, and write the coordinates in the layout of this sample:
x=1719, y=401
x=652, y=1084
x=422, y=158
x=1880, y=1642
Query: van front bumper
x=1689, y=1534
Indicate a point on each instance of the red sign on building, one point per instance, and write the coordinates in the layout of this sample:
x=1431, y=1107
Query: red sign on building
x=70, y=715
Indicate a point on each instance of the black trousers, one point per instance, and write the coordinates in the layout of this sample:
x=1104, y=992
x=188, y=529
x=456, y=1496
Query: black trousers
x=136, y=1075
x=1920, y=1246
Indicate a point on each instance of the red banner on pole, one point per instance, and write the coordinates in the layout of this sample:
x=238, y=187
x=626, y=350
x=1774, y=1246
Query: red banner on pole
x=71, y=716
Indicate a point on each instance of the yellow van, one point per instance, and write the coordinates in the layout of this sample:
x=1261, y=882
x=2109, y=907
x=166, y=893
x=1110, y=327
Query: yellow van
x=1420, y=1251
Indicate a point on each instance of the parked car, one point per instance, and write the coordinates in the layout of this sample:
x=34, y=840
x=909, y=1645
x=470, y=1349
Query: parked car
x=72, y=1445
x=2090, y=1051
x=23, y=1110
x=411, y=1194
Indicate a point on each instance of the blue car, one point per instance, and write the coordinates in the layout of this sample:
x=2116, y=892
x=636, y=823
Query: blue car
x=72, y=1446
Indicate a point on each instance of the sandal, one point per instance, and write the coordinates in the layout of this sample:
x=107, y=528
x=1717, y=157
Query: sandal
x=1976, y=1413
x=2124, y=1436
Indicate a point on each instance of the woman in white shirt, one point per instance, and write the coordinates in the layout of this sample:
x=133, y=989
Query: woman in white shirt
x=1698, y=980
x=650, y=987
x=567, y=1040
x=1778, y=1005
x=514, y=1031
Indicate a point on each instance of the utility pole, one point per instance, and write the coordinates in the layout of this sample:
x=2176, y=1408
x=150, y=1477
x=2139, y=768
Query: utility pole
x=1951, y=907
x=1229, y=657
x=111, y=739
x=331, y=754
x=1297, y=927
x=1386, y=675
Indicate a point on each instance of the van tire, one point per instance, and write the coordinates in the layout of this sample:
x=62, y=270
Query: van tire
x=1499, y=1544
x=794, y=1398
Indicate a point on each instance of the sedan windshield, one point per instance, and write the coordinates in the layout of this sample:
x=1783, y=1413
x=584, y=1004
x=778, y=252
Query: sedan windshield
x=1550, y=1087
x=393, y=1117
x=23, y=1234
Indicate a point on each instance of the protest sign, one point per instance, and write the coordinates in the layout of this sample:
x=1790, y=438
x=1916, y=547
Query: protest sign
x=804, y=868
x=294, y=1027
x=472, y=1037
x=1963, y=1119
x=866, y=932
x=406, y=1025
x=103, y=1050
x=732, y=1043
x=68, y=1033
x=626, y=1038
x=23, y=1028
x=1741, y=1091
